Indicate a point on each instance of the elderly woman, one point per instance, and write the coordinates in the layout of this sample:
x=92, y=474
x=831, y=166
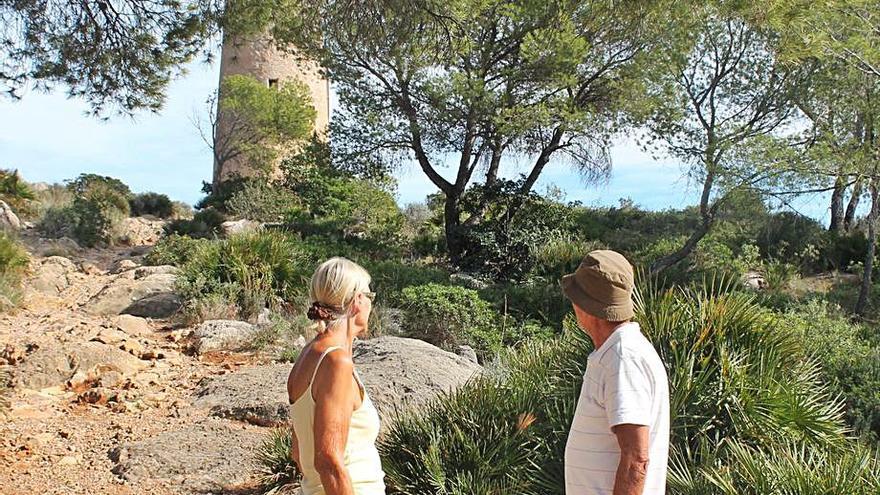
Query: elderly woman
x=334, y=423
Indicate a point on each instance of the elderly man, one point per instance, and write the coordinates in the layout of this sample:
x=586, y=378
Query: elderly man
x=619, y=438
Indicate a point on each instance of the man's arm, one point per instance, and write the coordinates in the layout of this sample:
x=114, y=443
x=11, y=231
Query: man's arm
x=633, y=467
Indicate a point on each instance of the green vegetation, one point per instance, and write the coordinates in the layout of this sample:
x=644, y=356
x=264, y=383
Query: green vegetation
x=736, y=374
x=17, y=193
x=13, y=263
x=258, y=121
x=242, y=275
x=150, y=203
x=447, y=316
x=205, y=224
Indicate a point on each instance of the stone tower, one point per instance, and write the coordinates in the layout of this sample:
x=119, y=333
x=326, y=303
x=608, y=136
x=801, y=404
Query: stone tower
x=261, y=59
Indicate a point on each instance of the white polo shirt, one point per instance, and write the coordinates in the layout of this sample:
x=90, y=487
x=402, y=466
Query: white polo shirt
x=624, y=383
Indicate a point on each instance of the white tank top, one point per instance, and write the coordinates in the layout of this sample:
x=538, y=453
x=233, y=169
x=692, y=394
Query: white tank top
x=361, y=457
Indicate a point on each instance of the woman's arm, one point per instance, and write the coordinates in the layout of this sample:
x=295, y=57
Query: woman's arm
x=334, y=404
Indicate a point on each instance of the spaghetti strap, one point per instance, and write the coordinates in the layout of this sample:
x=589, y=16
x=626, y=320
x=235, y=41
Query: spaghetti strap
x=320, y=359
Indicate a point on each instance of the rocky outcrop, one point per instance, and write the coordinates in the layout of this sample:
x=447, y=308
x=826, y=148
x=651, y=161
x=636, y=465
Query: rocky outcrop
x=395, y=371
x=52, y=366
x=257, y=395
x=233, y=227
x=124, y=293
x=201, y=458
x=399, y=371
x=52, y=275
x=140, y=231
x=8, y=219
x=223, y=335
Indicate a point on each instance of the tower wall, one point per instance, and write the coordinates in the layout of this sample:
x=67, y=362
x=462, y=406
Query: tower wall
x=260, y=59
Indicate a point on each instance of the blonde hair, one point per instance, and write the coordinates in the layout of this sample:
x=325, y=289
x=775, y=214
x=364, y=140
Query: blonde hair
x=334, y=286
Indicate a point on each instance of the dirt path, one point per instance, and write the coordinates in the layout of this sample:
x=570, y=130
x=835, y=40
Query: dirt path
x=53, y=441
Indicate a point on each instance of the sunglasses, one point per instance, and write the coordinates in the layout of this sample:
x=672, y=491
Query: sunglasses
x=370, y=295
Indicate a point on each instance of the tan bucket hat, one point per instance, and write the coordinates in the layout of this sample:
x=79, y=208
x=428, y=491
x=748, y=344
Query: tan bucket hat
x=602, y=286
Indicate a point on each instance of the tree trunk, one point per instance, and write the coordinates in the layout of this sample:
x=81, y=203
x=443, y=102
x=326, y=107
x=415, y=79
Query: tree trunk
x=452, y=227
x=867, y=282
x=851, y=208
x=707, y=216
x=671, y=260
x=837, y=213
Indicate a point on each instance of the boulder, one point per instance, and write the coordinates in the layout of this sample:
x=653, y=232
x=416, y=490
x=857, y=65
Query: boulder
x=161, y=305
x=257, y=394
x=123, y=292
x=8, y=219
x=145, y=271
x=396, y=371
x=223, y=335
x=754, y=280
x=52, y=275
x=232, y=227
x=204, y=457
x=123, y=265
x=141, y=231
x=51, y=366
x=468, y=353
x=134, y=326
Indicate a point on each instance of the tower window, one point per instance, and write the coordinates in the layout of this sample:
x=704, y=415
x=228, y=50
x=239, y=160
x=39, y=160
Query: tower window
x=273, y=83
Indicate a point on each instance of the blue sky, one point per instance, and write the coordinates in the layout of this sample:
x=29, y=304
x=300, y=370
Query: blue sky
x=49, y=138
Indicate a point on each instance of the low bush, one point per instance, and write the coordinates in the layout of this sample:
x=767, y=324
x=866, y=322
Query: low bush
x=17, y=193
x=53, y=197
x=333, y=204
x=173, y=250
x=248, y=271
x=206, y=224
x=13, y=263
x=737, y=376
x=561, y=255
x=537, y=300
x=390, y=278
x=261, y=202
x=849, y=356
x=276, y=468
x=99, y=204
x=150, y=203
x=447, y=316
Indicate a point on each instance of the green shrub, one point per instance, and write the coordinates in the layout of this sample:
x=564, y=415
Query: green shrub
x=503, y=245
x=559, y=256
x=447, y=316
x=736, y=375
x=536, y=300
x=85, y=221
x=333, y=204
x=276, y=468
x=247, y=271
x=205, y=224
x=98, y=205
x=173, y=250
x=261, y=202
x=849, y=359
x=390, y=278
x=13, y=258
x=17, y=193
x=54, y=197
x=786, y=235
x=150, y=203
x=13, y=263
